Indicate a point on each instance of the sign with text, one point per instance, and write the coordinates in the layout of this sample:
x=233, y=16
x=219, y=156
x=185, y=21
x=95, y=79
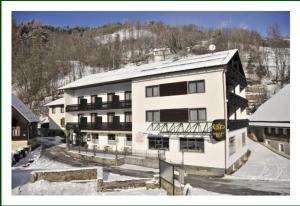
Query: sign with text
x=218, y=129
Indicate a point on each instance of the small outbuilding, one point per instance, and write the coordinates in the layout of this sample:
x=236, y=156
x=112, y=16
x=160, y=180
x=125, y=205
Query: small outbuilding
x=271, y=122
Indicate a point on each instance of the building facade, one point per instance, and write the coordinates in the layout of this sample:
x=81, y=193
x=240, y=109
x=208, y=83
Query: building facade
x=165, y=109
x=56, y=116
x=24, y=124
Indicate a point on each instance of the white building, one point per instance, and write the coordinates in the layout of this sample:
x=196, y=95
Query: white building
x=168, y=108
x=56, y=115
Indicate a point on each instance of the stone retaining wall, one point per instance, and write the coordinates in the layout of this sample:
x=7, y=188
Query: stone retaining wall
x=124, y=184
x=101, y=160
x=169, y=188
x=65, y=175
x=239, y=163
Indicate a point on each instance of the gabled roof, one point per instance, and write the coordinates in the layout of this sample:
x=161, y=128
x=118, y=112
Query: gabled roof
x=131, y=72
x=23, y=110
x=60, y=101
x=275, y=111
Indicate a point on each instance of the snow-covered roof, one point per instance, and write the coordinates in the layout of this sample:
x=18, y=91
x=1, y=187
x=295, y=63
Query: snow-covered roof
x=23, y=110
x=131, y=72
x=275, y=111
x=59, y=101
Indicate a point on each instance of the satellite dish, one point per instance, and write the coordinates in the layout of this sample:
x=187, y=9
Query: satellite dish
x=212, y=48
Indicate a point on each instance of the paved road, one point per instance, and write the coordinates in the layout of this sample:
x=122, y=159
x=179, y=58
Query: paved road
x=240, y=187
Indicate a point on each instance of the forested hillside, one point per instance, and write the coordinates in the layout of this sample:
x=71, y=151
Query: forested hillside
x=45, y=57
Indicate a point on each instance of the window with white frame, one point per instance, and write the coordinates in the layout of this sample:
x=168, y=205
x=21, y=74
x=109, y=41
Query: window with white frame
x=192, y=144
x=53, y=110
x=152, y=116
x=158, y=142
x=152, y=91
x=197, y=114
x=112, y=139
x=196, y=87
x=232, y=147
x=281, y=147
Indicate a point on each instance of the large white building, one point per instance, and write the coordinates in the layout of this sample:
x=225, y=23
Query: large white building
x=166, y=107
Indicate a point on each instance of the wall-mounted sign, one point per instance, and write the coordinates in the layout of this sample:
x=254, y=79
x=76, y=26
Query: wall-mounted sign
x=218, y=129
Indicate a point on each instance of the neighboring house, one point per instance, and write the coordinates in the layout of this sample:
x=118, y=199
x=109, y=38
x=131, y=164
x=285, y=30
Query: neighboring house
x=271, y=122
x=167, y=109
x=56, y=115
x=24, y=124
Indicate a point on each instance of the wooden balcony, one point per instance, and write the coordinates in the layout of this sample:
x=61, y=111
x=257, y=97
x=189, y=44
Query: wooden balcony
x=98, y=106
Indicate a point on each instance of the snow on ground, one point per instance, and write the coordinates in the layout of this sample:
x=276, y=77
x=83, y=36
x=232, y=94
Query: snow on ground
x=263, y=164
x=200, y=191
x=136, y=167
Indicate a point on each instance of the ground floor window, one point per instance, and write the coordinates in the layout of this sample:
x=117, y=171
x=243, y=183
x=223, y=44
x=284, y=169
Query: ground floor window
x=95, y=138
x=16, y=131
x=192, y=144
x=112, y=139
x=232, y=145
x=158, y=142
x=128, y=140
x=281, y=147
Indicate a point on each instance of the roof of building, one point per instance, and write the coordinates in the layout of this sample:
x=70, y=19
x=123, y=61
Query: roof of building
x=275, y=111
x=59, y=101
x=131, y=72
x=23, y=109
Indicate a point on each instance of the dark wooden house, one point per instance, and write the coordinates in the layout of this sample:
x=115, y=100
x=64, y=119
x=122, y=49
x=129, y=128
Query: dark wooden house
x=24, y=124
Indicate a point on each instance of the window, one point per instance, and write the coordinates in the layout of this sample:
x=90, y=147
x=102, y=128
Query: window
x=196, y=86
x=243, y=139
x=231, y=145
x=62, y=109
x=128, y=140
x=95, y=138
x=110, y=117
x=197, y=114
x=152, y=91
x=177, y=88
x=110, y=97
x=128, y=117
x=62, y=122
x=192, y=144
x=79, y=99
x=281, y=148
x=16, y=131
x=112, y=139
x=284, y=131
x=158, y=142
x=152, y=116
x=53, y=110
x=127, y=96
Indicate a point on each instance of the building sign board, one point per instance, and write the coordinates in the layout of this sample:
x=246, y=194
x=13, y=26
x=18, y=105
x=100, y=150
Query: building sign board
x=218, y=129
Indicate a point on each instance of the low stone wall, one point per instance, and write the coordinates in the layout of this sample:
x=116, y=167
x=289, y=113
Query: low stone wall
x=65, y=175
x=101, y=160
x=125, y=184
x=239, y=163
x=145, y=162
x=169, y=188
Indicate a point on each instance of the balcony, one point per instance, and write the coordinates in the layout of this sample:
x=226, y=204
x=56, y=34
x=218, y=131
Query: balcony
x=96, y=106
x=236, y=101
x=105, y=126
x=237, y=124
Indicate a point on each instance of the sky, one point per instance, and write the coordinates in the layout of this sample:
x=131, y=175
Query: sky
x=254, y=20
